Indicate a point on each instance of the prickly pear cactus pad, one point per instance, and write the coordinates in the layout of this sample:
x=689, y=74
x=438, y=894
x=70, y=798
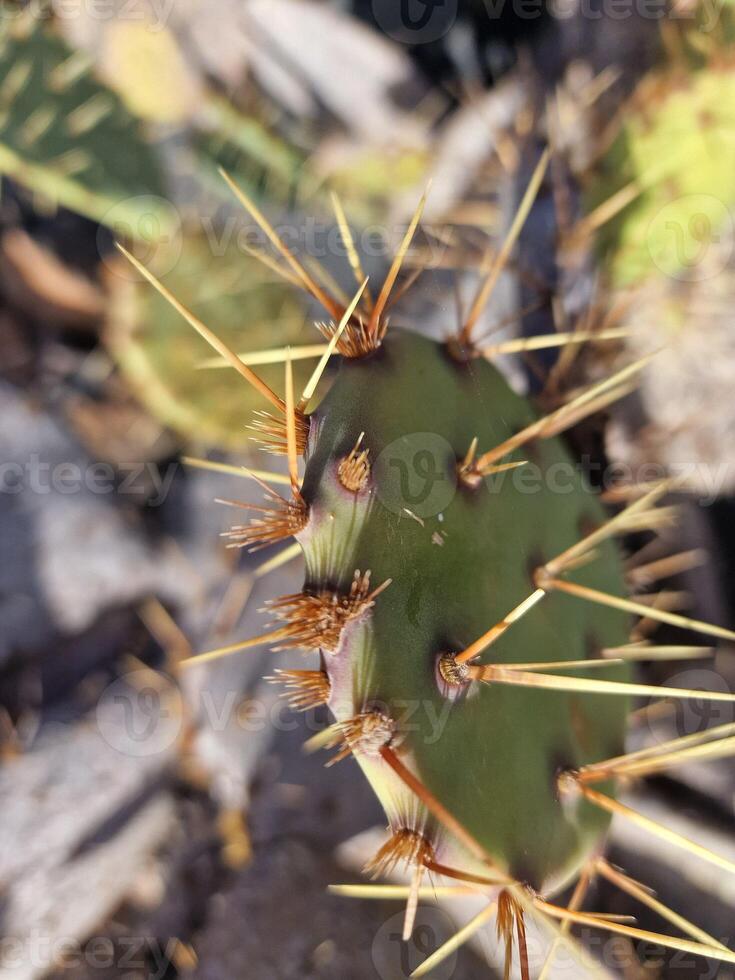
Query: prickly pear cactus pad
x=669, y=253
x=164, y=365
x=458, y=557
x=466, y=597
x=676, y=153
x=68, y=137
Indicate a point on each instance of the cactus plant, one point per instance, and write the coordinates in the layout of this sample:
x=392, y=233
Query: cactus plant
x=674, y=153
x=145, y=64
x=68, y=137
x=426, y=545
x=165, y=369
x=665, y=187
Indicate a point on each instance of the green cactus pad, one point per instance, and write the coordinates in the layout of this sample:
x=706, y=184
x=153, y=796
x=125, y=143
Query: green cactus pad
x=678, y=141
x=68, y=137
x=162, y=359
x=459, y=560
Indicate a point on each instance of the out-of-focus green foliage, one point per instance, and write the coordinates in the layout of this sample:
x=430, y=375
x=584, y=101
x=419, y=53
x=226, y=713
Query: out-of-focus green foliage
x=68, y=137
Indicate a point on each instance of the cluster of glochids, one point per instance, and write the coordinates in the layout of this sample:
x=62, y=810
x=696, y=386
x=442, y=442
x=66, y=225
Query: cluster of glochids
x=497, y=776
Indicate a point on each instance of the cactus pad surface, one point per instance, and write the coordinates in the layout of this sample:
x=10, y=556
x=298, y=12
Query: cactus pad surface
x=458, y=558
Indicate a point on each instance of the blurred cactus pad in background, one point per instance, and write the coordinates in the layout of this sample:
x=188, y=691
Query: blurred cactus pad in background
x=167, y=366
x=674, y=157
x=66, y=135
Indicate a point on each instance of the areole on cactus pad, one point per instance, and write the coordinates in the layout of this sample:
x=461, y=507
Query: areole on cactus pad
x=443, y=521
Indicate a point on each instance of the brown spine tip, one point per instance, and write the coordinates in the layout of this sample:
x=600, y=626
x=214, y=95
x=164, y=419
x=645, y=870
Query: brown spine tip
x=271, y=432
x=452, y=672
x=471, y=471
x=467, y=472
x=353, y=471
x=356, y=339
x=304, y=689
x=510, y=920
x=283, y=520
x=365, y=734
x=315, y=620
x=404, y=845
